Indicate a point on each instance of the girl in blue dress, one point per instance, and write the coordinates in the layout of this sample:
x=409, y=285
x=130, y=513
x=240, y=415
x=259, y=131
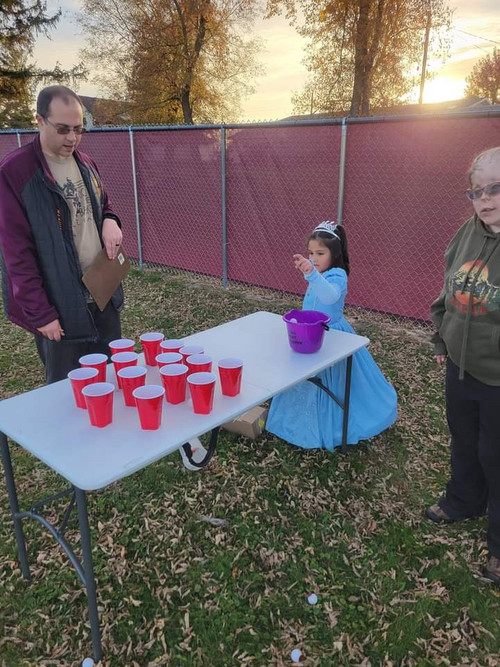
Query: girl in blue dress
x=305, y=415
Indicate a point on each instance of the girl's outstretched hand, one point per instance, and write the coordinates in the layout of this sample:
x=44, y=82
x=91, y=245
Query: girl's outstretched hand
x=303, y=264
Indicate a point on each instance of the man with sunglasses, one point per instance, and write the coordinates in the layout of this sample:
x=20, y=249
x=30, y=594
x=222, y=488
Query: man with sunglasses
x=55, y=217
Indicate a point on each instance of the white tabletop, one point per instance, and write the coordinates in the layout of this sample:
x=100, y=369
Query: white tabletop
x=46, y=422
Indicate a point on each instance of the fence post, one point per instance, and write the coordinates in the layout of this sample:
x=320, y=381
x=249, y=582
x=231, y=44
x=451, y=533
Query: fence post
x=18, y=140
x=343, y=144
x=136, y=198
x=224, y=217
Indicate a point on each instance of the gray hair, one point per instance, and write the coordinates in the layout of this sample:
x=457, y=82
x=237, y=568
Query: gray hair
x=486, y=157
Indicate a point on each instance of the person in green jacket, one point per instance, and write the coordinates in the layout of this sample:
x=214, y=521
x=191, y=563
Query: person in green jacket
x=467, y=320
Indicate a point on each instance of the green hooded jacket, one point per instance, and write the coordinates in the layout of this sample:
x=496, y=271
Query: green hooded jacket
x=467, y=312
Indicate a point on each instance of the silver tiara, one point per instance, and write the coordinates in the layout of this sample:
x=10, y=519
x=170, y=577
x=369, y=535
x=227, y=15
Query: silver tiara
x=328, y=226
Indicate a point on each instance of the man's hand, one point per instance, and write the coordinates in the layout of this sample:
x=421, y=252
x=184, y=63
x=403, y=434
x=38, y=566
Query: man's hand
x=112, y=237
x=303, y=264
x=440, y=359
x=52, y=331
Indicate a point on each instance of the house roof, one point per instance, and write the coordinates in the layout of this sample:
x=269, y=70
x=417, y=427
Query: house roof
x=464, y=104
x=105, y=112
x=88, y=102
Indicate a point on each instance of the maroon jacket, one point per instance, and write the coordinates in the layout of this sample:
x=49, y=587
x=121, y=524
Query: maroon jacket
x=40, y=267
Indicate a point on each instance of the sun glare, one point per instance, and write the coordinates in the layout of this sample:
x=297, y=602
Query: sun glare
x=442, y=89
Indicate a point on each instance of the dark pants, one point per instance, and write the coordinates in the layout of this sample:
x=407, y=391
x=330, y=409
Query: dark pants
x=473, y=413
x=60, y=358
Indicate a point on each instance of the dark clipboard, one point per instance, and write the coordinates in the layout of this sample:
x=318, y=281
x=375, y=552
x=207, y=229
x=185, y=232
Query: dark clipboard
x=104, y=276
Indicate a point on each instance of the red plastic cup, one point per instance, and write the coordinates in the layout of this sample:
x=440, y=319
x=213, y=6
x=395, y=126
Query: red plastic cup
x=121, y=345
x=173, y=377
x=189, y=350
x=230, y=372
x=99, y=400
x=171, y=345
x=122, y=360
x=202, y=389
x=131, y=377
x=199, y=363
x=98, y=361
x=151, y=346
x=149, y=401
x=80, y=378
x=165, y=358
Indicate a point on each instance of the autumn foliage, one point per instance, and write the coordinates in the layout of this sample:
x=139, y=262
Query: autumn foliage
x=172, y=60
x=484, y=80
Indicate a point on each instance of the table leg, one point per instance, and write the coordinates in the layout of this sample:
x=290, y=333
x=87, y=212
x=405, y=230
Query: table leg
x=83, y=520
x=347, y=396
x=343, y=405
x=14, y=507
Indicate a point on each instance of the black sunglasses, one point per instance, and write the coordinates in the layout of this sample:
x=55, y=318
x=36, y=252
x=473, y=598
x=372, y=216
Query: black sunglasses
x=65, y=129
x=490, y=190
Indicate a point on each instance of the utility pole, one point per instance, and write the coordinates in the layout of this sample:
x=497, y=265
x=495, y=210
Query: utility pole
x=424, y=60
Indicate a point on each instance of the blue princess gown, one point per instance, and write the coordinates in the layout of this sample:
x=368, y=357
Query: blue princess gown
x=305, y=415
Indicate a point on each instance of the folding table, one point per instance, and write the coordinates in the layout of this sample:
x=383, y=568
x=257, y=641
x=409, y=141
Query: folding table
x=46, y=423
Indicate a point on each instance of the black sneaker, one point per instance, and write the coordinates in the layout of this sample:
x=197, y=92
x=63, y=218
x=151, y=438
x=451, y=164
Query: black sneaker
x=438, y=515
x=492, y=570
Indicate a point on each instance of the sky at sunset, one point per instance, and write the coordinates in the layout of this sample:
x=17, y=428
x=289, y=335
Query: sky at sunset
x=476, y=31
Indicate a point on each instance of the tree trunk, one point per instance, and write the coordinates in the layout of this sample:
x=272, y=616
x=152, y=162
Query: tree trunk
x=366, y=94
x=361, y=51
x=191, y=58
x=187, y=112
x=370, y=60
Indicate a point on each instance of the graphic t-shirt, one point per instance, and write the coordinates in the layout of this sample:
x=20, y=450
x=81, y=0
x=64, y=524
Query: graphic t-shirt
x=70, y=180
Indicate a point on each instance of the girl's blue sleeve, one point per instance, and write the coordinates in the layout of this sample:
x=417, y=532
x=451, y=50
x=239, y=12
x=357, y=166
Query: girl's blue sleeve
x=327, y=292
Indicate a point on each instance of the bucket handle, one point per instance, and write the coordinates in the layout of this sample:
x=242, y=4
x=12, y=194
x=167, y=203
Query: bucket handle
x=325, y=326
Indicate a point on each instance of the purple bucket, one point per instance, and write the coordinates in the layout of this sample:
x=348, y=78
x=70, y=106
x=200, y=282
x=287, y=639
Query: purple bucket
x=306, y=329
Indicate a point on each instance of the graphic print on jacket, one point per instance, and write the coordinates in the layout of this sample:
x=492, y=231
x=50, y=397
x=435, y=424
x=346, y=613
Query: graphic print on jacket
x=485, y=296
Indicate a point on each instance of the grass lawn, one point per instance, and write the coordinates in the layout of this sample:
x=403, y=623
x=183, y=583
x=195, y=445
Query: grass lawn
x=173, y=589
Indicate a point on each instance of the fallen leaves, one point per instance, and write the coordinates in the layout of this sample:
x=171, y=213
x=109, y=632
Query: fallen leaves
x=214, y=568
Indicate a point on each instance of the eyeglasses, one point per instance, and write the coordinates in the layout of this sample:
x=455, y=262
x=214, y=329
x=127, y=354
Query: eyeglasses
x=490, y=190
x=65, y=129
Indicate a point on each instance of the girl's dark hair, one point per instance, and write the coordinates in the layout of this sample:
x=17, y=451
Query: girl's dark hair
x=336, y=246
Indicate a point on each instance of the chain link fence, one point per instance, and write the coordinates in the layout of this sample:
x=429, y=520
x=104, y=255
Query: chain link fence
x=235, y=202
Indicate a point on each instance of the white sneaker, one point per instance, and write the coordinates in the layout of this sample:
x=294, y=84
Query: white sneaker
x=198, y=453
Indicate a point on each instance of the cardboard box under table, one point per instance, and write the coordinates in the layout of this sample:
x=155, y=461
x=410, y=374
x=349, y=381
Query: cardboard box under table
x=250, y=424
x=46, y=423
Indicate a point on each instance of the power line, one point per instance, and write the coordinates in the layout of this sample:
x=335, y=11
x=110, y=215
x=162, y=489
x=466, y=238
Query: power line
x=485, y=39
x=480, y=48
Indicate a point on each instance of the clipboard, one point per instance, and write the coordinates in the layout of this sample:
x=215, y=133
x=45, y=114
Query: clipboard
x=104, y=276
